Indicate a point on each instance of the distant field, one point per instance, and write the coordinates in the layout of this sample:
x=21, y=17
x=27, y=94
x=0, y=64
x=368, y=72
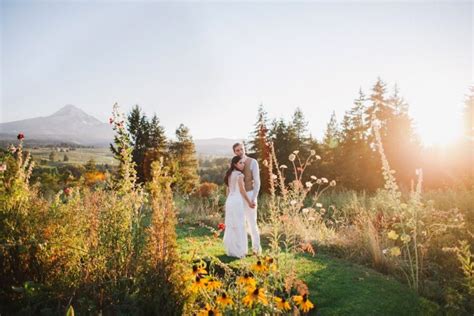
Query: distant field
x=77, y=156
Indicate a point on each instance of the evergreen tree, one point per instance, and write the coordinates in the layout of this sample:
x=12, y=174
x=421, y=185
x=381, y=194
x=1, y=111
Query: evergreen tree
x=65, y=158
x=259, y=148
x=90, y=166
x=52, y=156
x=138, y=128
x=156, y=148
x=183, y=153
x=330, y=149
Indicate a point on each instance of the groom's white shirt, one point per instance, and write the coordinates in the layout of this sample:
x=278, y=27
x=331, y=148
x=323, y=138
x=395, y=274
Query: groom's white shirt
x=256, y=180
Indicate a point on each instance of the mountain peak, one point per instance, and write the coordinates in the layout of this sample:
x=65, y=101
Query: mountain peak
x=69, y=109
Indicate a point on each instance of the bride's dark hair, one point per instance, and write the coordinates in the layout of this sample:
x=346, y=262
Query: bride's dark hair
x=232, y=167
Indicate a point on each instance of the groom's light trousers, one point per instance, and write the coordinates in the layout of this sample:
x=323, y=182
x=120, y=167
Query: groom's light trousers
x=252, y=227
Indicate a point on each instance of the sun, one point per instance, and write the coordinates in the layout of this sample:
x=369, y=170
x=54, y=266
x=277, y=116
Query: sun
x=438, y=130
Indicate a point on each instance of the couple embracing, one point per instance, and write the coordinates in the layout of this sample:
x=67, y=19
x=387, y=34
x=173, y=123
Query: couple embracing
x=243, y=184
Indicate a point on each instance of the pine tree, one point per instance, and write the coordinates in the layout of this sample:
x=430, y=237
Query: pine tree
x=259, y=147
x=183, y=153
x=330, y=149
x=138, y=128
x=156, y=148
x=65, y=158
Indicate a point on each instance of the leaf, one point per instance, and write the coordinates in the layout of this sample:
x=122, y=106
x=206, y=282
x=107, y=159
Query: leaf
x=70, y=311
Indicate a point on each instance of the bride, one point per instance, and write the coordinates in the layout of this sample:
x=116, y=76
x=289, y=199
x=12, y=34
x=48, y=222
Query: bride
x=235, y=234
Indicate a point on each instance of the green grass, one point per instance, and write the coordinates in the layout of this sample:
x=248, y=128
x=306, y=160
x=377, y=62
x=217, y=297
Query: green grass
x=337, y=287
x=78, y=156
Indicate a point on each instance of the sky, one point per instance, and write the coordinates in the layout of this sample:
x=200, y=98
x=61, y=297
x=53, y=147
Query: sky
x=209, y=65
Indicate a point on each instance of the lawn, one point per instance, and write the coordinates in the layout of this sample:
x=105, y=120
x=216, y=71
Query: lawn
x=337, y=287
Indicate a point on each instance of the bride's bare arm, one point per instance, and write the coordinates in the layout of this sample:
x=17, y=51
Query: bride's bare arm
x=243, y=192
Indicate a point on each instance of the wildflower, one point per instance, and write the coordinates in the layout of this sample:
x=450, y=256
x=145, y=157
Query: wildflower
x=309, y=184
x=319, y=181
x=385, y=251
x=305, y=210
x=283, y=167
x=314, y=177
x=318, y=157
x=270, y=263
x=303, y=302
x=324, y=180
x=395, y=251
x=208, y=311
x=67, y=191
x=405, y=238
x=20, y=136
x=274, y=176
x=319, y=205
x=259, y=267
x=198, y=270
x=293, y=202
x=3, y=167
x=213, y=284
x=255, y=295
x=198, y=283
x=312, y=152
x=224, y=300
x=291, y=157
x=392, y=235
x=246, y=280
x=296, y=152
x=221, y=226
x=333, y=183
x=282, y=304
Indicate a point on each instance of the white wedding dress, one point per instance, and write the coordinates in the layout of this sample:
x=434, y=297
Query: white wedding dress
x=235, y=234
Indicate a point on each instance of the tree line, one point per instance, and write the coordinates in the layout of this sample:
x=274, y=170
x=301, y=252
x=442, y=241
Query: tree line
x=348, y=152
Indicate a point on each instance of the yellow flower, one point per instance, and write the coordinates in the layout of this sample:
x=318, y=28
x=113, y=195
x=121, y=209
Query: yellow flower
x=198, y=283
x=259, y=267
x=395, y=251
x=392, y=235
x=208, y=311
x=224, y=300
x=282, y=304
x=303, y=302
x=213, y=284
x=199, y=269
x=246, y=280
x=405, y=238
x=255, y=295
x=270, y=263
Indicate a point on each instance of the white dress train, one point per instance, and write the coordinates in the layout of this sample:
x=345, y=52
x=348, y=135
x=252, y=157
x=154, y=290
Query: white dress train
x=235, y=234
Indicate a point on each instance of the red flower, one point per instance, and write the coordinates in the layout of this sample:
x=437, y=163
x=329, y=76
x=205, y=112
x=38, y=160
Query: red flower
x=67, y=191
x=20, y=136
x=221, y=226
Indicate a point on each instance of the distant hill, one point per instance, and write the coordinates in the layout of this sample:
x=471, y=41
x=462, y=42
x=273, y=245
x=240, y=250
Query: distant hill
x=69, y=125
x=72, y=125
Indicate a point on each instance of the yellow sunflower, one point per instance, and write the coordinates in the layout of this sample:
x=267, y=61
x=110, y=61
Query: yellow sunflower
x=270, y=263
x=198, y=283
x=282, y=304
x=208, y=311
x=259, y=267
x=246, y=280
x=303, y=302
x=213, y=284
x=255, y=295
x=224, y=300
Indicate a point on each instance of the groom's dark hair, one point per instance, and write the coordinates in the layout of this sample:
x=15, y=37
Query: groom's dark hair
x=237, y=144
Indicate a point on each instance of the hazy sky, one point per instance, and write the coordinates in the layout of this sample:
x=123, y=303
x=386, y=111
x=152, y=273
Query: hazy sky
x=209, y=65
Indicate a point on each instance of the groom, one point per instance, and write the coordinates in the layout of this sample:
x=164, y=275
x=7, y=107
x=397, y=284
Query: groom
x=252, y=186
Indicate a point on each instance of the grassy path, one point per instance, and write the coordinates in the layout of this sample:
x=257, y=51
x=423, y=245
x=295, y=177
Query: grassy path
x=337, y=287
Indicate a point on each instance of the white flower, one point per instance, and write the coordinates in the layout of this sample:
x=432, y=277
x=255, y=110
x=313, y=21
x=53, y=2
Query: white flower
x=309, y=184
x=313, y=152
x=305, y=210
x=274, y=176
x=319, y=181
x=283, y=167
x=385, y=251
x=314, y=177
x=296, y=152
x=333, y=183
x=318, y=157
x=319, y=205
x=324, y=180
x=293, y=202
x=291, y=157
